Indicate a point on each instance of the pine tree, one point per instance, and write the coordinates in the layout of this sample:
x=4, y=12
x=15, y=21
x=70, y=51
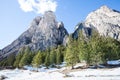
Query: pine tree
x=11, y=59
x=53, y=56
x=71, y=56
x=95, y=45
x=90, y=49
x=3, y=63
x=58, y=55
x=25, y=60
x=111, y=50
x=83, y=48
x=18, y=58
x=47, y=58
x=37, y=60
x=47, y=61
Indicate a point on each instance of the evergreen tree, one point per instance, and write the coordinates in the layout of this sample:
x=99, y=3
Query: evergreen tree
x=96, y=48
x=47, y=58
x=82, y=47
x=71, y=56
x=90, y=49
x=3, y=63
x=11, y=59
x=47, y=61
x=59, y=55
x=37, y=60
x=18, y=58
x=53, y=56
x=25, y=60
x=111, y=49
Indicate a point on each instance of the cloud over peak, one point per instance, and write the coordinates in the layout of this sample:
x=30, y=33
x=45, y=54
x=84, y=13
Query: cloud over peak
x=38, y=6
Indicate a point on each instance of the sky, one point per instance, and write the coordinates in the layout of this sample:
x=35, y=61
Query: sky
x=16, y=15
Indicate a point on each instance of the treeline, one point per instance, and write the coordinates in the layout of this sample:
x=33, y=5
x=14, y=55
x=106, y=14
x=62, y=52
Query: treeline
x=94, y=50
x=48, y=57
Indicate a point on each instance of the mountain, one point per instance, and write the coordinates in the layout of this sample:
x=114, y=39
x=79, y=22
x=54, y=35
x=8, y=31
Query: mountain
x=105, y=20
x=43, y=32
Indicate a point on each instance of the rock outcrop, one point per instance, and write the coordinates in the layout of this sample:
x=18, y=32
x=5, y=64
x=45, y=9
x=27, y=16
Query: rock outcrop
x=44, y=32
x=105, y=20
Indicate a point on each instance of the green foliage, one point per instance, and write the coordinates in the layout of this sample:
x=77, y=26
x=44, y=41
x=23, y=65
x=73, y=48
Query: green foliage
x=37, y=60
x=18, y=58
x=3, y=63
x=71, y=56
x=60, y=54
x=97, y=49
x=82, y=47
x=26, y=58
x=53, y=56
x=111, y=49
x=11, y=59
x=47, y=60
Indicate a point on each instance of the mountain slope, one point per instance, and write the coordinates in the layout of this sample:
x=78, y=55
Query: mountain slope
x=44, y=32
x=105, y=20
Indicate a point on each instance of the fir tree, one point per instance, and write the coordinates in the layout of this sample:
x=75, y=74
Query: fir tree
x=71, y=57
x=53, y=56
x=47, y=58
x=11, y=59
x=26, y=58
x=18, y=58
x=37, y=60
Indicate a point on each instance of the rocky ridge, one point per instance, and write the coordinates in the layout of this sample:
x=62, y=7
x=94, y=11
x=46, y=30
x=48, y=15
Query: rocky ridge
x=105, y=20
x=44, y=32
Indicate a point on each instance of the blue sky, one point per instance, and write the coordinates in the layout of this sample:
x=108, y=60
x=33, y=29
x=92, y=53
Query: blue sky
x=14, y=21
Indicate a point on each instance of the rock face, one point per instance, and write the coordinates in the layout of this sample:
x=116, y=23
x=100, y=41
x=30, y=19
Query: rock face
x=44, y=32
x=105, y=20
x=81, y=26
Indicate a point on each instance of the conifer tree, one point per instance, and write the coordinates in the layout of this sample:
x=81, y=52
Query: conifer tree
x=18, y=58
x=47, y=58
x=47, y=61
x=71, y=57
x=37, y=60
x=11, y=59
x=59, y=55
x=25, y=60
x=53, y=56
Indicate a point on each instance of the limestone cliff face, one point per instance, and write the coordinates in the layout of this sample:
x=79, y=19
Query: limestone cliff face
x=105, y=20
x=44, y=32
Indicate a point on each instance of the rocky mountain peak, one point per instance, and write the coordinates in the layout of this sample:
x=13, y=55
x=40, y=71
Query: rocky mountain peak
x=104, y=9
x=49, y=15
x=105, y=20
x=44, y=32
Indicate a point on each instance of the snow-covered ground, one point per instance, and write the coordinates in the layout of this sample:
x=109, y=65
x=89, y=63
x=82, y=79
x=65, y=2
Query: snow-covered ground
x=55, y=74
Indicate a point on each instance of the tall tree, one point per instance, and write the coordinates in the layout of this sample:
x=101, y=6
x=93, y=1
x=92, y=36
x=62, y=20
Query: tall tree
x=60, y=54
x=37, y=60
x=47, y=58
x=53, y=56
x=18, y=58
x=90, y=49
x=11, y=59
x=25, y=60
x=71, y=56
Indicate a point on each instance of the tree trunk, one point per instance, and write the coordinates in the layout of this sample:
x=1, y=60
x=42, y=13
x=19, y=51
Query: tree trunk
x=72, y=66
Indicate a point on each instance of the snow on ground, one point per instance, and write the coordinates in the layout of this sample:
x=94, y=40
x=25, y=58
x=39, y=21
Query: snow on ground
x=54, y=74
x=113, y=62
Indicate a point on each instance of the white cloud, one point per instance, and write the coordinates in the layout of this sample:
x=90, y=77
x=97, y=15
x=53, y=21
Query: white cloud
x=38, y=6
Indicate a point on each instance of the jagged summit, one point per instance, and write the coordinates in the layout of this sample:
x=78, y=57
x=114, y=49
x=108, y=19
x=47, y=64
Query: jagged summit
x=44, y=32
x=105, y=20
x=49, y=14
x=105, y=8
